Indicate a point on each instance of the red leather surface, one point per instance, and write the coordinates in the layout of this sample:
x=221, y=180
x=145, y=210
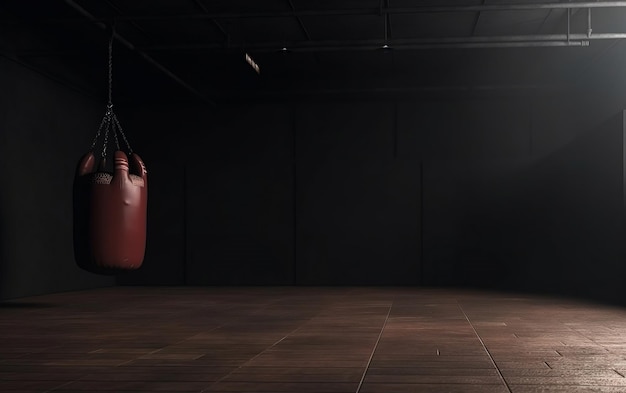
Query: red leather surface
x=116, y=215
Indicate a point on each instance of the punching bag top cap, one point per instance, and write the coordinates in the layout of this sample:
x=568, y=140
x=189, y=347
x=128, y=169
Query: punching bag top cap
x=88, y=165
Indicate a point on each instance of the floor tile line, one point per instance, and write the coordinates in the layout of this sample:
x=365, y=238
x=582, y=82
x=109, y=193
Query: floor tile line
x=369, y=361
x=486, y=350
x=586, y=337
x=256, y=356
x=61, y=385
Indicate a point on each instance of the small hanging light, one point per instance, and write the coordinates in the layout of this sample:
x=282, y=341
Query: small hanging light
x=253, y=64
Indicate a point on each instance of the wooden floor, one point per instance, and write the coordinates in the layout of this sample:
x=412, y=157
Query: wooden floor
x=367, y=340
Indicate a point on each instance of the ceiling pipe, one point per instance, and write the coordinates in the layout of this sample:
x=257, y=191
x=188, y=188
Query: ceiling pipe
x=508, y=7
x=452, y=45
x=383, y=10
x=521, y=44
x=142, y=54
x=378, y=45
x=514, y=41
x=537, y=40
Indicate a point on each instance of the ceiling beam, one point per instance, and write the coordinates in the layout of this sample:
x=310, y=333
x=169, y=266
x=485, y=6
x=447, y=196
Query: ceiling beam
x=304, y=29
x=355, y=11
x=373, y=11
x=120, y=13
x=216, y=23
x=545, y=19
x=141, y=53
x=477, y=20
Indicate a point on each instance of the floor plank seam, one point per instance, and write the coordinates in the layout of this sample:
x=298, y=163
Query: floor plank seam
x=486, y=350
x=252, y=358
x=586, y=337
x=369, y=361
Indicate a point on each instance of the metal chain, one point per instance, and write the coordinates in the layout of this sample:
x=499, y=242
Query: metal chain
x=114, y=129
x=109, y=123
x=95, y=140
x=106, y=121
x=106, y=135
x=111, y=67
x=119, y=127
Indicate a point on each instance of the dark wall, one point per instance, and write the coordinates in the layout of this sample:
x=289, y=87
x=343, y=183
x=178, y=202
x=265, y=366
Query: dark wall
x=357, y=198
x=240, y=186
x=524, y=194
x=44, y=129
x=499, y=190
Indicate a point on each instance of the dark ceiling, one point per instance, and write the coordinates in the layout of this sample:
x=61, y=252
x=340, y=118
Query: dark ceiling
x=182, y=50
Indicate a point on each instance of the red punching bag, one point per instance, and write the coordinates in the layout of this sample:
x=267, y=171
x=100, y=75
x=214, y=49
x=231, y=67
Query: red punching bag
x=110, y=212
x=110, y=202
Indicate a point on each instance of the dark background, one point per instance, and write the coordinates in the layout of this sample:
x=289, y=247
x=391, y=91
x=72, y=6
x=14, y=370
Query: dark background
x=491, y=185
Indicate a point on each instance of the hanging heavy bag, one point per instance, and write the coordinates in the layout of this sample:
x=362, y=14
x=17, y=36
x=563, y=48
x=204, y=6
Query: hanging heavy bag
x=110, y=201
x=110, y=214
